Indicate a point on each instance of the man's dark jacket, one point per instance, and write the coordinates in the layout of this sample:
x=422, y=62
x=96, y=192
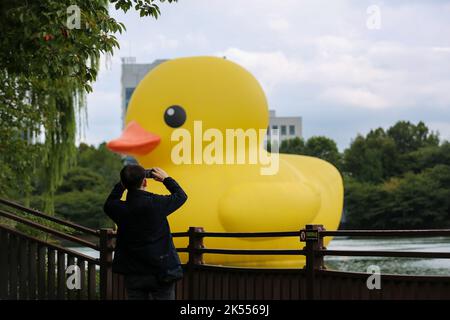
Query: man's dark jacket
x=144, y=241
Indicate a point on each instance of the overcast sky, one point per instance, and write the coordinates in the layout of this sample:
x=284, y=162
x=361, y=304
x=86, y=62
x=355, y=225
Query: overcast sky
x=317, y=59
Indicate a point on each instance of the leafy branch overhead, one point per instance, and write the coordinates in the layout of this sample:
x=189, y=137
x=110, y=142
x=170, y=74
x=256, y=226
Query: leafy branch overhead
x=46, y=68
x=145, y=7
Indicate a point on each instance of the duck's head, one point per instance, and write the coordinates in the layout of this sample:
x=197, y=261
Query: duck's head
x=216, y=91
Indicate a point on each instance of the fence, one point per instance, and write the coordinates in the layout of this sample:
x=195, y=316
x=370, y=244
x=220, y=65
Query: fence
x=313, y=281
x=31, y=268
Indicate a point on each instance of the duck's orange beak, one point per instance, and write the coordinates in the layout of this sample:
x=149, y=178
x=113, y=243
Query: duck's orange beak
x=134, y=140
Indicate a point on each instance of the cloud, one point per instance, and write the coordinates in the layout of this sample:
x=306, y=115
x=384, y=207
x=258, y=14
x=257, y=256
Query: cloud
x=270, y=68
x=366, y=75
x=355, y=97
x=315, y=59
x=441, y=49
x=278, y=24
x=104, y=117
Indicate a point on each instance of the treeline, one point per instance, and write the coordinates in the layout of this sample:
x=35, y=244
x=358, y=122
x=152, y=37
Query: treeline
x=394, y=178
x=83, y=191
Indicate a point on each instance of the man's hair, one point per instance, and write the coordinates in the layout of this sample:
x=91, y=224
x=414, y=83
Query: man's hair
x=132, y=176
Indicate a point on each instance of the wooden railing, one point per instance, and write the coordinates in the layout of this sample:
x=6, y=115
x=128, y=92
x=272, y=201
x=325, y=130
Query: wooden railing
x=308, y=282
x=31, y=268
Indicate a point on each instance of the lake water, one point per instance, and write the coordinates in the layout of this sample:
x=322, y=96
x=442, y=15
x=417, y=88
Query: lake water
x=387, y=265
x=392, y=265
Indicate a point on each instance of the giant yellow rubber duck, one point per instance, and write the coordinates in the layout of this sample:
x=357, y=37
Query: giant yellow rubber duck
x=179, y=117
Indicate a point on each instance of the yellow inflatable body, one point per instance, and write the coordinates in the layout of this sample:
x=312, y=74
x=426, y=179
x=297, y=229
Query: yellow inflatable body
x=215, y=93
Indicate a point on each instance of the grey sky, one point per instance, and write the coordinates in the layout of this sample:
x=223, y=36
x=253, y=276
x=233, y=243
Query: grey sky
x=315, y=58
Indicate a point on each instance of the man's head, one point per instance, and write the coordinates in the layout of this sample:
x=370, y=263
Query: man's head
x=133, y=177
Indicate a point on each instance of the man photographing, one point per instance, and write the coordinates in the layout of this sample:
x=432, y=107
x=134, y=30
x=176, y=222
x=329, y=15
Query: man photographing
x=145, y=253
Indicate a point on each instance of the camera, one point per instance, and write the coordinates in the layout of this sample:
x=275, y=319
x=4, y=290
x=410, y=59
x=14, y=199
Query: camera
x=149, y=173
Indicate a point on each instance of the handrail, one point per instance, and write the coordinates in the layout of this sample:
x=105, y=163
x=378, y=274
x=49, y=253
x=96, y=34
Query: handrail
x=41, y=227
x=251, y=234
x=48, y=217
x=399, y=254
x=325, y=233
x=198, y=249
x=310, y=245
x=180, y=234
x=250, y=251
x=240, y=234
x=387, y=233
x=52, y=246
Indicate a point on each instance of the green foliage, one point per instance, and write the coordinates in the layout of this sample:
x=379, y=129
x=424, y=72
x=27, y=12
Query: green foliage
x=46, y=68
x=381, y=154
x=80, y=179
x=426, y=157
x=100, y=160
x=84, y=189
x=398, y=179
x=292, y=146
x=409, y=137
x=371, y=158
x=83, y=207
x=362, y=201
x=145, y=7
x=413, y=202
x=317, y=146
x=394, y=178
x=323, y=148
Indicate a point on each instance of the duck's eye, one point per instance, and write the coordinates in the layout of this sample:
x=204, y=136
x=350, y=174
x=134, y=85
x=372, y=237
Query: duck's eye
x=175, y=116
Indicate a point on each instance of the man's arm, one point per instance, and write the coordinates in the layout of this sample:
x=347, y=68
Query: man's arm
x=112, y=203
x=170, y=203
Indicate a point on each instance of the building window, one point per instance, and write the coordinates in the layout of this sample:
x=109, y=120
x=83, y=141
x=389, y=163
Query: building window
x=283, y=130
x=275, y=127
x=292, y=130
x=128, y=93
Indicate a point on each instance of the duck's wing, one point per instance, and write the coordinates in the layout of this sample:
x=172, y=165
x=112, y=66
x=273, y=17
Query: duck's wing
x=268, y=206
x=327, y=180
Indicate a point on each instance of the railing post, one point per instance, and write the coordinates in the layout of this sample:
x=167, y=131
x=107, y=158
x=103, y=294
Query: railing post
x=314, y=242
x=195, y=242
x=194, y=258
x=106, y=250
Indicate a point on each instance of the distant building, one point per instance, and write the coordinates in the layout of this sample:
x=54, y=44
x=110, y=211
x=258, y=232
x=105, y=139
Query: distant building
x=288, y=127
x=132, y=74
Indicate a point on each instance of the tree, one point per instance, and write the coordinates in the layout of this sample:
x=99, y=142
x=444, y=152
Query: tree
x=46, y=67
x=363, y=160
x=102, y=161
x=409, y=137
x=364, y=205
x=81, y=196
x=81, y=179
x=317, y=146
x=323, y=148
x=83, y=207
x=422, y=200
x=381, y=154
x=292, y=146
x=426, y=157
